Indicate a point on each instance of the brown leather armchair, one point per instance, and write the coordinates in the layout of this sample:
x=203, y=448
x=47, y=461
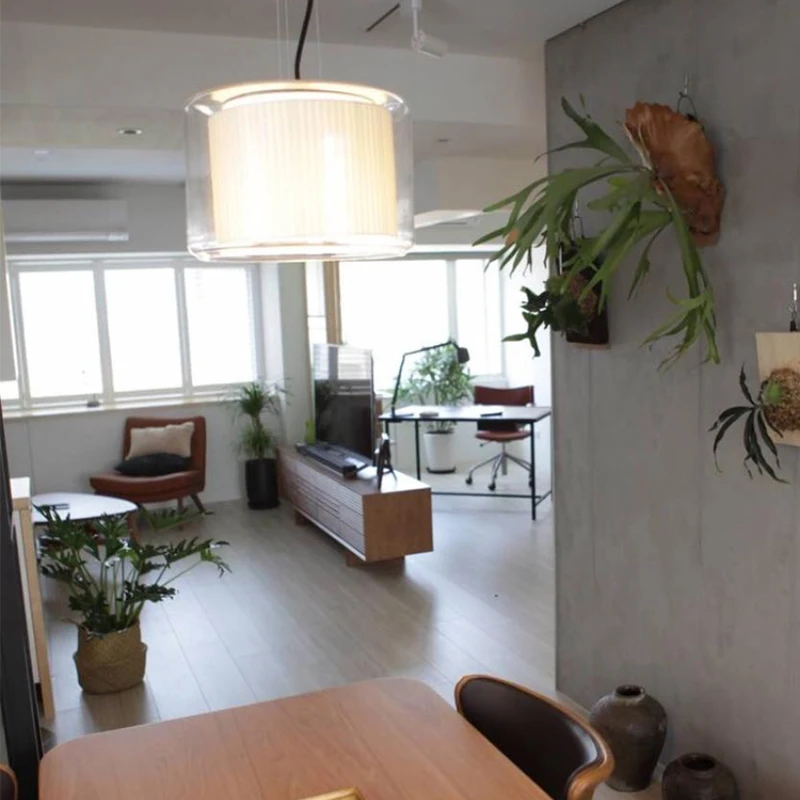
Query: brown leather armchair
x=176, y=486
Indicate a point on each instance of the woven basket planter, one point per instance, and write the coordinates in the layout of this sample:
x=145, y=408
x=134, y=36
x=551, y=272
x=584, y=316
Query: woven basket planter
x=112, y=662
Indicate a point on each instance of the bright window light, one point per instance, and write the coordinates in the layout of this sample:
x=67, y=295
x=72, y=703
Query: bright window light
x=478, y=308
x=392, y=307
x=143, y=329
x=59, y=313
x=220, y=313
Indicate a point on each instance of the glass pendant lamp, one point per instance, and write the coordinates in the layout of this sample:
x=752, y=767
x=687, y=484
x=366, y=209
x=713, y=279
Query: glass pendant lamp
x=298, y=170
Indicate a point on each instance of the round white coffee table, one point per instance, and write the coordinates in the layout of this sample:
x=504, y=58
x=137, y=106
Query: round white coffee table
x=80, y=506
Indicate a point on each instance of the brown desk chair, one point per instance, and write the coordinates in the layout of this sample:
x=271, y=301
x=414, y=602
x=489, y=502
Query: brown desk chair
x=177, y=486
x=499, y=431
x=552, y=745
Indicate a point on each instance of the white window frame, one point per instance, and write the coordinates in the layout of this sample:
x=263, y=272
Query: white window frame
x=97, y=265
x=450, y=257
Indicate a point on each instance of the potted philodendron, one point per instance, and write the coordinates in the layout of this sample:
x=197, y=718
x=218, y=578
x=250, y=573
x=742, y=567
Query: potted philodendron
x=440, y=379
x=256, y=441
x=110, y=577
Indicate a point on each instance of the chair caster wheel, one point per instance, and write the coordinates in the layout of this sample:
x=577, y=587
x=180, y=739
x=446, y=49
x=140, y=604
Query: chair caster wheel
x=468, y=481
x=492, y=487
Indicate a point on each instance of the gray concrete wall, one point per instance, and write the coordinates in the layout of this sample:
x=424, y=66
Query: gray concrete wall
x=670, y=574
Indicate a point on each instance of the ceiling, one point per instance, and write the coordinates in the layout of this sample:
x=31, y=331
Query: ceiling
x=83, y=144
x=63, y=142
x=480, y=27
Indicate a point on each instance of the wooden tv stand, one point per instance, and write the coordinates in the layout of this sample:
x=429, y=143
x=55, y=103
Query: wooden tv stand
x=372, y=525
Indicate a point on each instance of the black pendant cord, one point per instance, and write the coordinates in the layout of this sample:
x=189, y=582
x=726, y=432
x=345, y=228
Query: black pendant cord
x=301, y=42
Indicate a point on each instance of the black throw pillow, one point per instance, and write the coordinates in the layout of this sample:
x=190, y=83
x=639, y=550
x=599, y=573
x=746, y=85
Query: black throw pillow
x=152, y=465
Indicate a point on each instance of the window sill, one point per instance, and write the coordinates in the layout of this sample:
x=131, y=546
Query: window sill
x=121, y=405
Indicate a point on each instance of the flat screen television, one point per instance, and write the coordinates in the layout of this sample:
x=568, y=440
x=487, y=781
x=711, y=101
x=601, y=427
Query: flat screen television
x=343, y=397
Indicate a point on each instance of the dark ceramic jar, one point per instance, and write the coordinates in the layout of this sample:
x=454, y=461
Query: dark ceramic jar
x=697, y=776
x=634, y=725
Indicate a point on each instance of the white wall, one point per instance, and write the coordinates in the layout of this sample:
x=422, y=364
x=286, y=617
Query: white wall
x=464, y=183
x=522, y=367
x=286, y=347
x=61, y=452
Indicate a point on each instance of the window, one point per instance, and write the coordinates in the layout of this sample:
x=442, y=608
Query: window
x=221, y=320
x=478, y=314
x=315, y=304
x=116, y=329
x=62, y=350
x=143, y=329
x=392, y=307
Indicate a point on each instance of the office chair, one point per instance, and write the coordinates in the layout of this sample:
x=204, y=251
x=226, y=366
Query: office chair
x=500, y=431
x=552, y=745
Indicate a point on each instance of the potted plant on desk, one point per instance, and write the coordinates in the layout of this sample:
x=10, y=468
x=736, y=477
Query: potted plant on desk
x=438, y=378
x=252, y=403
x=102, y=567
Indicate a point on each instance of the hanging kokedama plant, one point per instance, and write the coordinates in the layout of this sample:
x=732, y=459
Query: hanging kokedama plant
x=564, y=307
x=775, y=410
x=674, y=186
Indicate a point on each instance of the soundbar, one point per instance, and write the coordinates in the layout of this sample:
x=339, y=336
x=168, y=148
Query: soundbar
x=335, y=458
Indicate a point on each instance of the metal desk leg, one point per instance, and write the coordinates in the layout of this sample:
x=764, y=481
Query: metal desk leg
x=416, y=445
x=533, y=471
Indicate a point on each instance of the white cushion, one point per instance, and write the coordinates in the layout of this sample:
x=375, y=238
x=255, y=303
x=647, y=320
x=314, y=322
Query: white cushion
x=175, y=439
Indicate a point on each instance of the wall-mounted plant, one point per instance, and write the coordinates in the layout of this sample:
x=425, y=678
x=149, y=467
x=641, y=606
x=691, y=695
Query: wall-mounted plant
x=673, y=186
x=775, y=409
x=562, y=307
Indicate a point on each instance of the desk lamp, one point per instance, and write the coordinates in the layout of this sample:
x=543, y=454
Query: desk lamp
x=462, y=354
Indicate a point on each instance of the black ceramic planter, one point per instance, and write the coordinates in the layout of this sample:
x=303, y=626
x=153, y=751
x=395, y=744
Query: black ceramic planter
x=634, y=725
x=261, y=482
x=697, y=776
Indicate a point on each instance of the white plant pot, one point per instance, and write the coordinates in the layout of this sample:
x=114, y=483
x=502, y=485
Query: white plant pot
x=440, y=452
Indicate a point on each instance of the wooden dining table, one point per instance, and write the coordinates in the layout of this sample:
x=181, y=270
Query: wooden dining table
x=391, y=739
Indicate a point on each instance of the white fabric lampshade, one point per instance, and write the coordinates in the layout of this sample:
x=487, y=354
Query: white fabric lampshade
x=298, y=170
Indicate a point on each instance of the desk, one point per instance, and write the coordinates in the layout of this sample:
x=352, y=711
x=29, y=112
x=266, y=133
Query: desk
x=391, y=739
x=522, y=415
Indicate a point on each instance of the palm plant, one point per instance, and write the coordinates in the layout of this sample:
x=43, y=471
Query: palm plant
x=252, y=402
x=103, y=567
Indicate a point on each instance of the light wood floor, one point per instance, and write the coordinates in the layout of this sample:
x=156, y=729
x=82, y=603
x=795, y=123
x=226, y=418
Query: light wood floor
x=293, y=618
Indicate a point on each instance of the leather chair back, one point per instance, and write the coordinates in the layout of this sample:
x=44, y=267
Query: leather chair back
x=197, y=460
x=495, y=396
x=8, y=783
x=552, y=745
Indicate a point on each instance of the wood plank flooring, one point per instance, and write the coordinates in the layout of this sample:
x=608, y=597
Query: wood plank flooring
x=292, y=617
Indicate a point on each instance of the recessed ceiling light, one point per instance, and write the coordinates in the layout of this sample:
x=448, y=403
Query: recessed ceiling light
x=41, y=153
x=130, y=131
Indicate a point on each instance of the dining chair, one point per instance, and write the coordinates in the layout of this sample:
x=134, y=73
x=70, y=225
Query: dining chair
x=551, y=744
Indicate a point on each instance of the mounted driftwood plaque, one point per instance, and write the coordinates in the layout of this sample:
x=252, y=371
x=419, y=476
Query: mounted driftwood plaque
x=779, y=351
